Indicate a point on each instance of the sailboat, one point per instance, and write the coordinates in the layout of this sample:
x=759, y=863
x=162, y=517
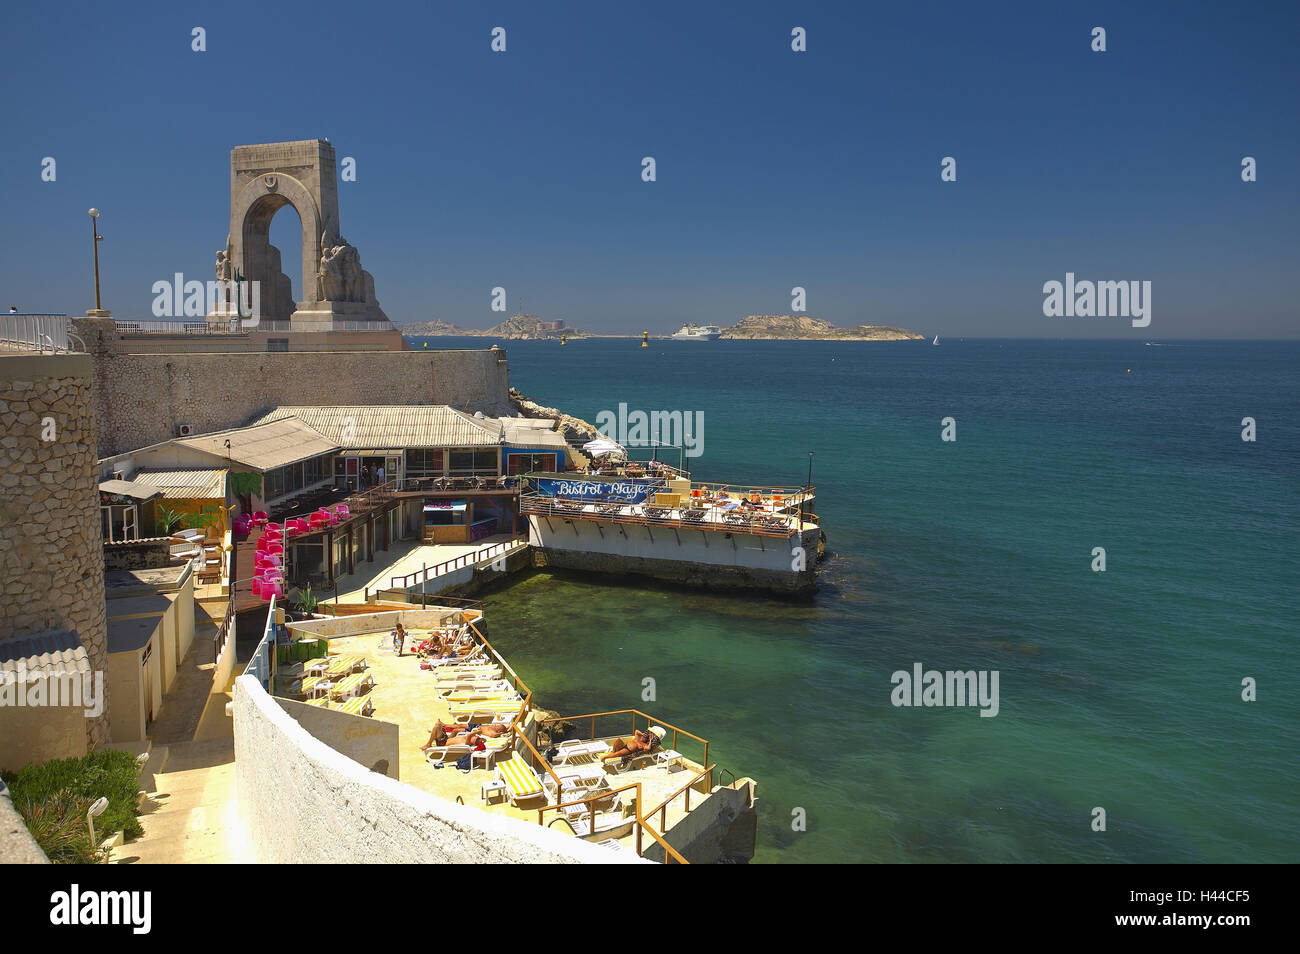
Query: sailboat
x=935, y=341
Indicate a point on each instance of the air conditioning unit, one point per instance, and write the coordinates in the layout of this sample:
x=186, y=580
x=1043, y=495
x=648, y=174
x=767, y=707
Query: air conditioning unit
x=185, y=430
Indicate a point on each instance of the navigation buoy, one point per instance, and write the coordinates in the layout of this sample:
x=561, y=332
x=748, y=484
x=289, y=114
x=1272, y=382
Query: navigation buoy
x=426, y=344
x=1130, y=371
x=563, y=340
x=645, y=339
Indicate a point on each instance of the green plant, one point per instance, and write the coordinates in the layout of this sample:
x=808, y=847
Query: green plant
x=207, y=517
x=58, y=823
x=305, y=601
x=167, y=520
x=245, y=484
x=108, y=773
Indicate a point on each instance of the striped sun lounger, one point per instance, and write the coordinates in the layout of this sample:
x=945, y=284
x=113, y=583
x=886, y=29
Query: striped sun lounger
x=342, y=664
x=520, y=780
x=503, y=706
x=321, y=701
x=313, y=683
x=357, y=705
x=351, y=685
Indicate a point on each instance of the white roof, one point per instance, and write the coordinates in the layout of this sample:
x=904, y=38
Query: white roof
x=264, y=446
x=389, y=427
x=184, y=484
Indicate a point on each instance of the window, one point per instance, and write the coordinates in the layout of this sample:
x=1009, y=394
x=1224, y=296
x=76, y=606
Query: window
x=423, y=462
x=474, y=462
x=277, y=344
x=524, y=463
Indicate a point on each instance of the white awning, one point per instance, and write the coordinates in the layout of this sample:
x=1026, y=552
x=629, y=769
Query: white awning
x=444, y=505
x=602, y=446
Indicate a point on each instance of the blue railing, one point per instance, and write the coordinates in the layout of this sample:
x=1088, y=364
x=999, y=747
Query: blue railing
x=262, y=665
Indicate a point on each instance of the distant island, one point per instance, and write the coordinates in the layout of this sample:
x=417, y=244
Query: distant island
x=751, y=328
x=801, y=327
x=516, y=327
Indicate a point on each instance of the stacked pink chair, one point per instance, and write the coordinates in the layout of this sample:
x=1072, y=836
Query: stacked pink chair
x=342, y=511
x=260, y=518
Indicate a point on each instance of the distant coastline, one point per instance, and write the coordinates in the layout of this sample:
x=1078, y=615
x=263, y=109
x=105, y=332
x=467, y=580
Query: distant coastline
x=750, y=328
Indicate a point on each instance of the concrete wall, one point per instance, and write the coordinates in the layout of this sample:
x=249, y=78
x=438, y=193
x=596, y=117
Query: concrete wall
x=722, y=829
x=17, y=846
x=142, y=398
x=51, y=548
x=703, y=558
x=42, y=733
x=302, y=802
x=126, y=697
x=368, y=742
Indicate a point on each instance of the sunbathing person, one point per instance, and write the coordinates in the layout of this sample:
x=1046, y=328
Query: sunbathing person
x=641, y=743
x=439, y=736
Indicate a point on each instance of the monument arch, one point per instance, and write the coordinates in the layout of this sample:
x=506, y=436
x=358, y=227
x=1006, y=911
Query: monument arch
x=337, y=293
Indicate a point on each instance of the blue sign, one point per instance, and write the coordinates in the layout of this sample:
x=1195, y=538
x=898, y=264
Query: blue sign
x=620, y=491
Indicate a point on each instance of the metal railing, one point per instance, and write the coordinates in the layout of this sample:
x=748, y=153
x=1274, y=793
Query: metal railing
x=39, y=333
x=427, y=573
x=662, y=807
x=262, y=663
x=639, y=820
x=635, y=714
x=648, y=515
x=125, y=326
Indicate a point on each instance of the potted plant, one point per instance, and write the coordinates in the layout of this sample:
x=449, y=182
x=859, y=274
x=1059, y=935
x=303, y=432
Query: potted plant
x=304, y=603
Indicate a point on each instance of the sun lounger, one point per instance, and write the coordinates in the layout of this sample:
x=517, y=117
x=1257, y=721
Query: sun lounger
x=486, y=710
x=313, y=684
x=443, y=753
x=522, y=783
x=343, y=664
x=498, y=689
x=357, y=705
x=353, y=685
x=574, y=751
x=321, y=701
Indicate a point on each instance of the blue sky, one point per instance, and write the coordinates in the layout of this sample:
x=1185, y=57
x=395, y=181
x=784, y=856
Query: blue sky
x=820, y=169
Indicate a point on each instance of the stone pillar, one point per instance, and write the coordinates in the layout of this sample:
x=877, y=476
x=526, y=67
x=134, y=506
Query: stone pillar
x=51, y=545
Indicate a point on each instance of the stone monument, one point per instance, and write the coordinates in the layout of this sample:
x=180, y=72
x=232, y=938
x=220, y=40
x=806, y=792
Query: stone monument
x=337, y=293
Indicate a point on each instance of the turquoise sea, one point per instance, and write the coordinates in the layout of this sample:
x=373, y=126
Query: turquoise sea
x=1119, y=689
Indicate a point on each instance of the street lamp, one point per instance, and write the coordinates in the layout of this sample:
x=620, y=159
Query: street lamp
x=95, y=810
x=94, y=229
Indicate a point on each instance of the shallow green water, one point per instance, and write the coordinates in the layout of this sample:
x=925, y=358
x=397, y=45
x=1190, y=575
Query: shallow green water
x=1119, y=689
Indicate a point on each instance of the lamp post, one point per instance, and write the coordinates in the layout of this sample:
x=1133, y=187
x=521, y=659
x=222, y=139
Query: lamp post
x=94, y=231
x=807, y=488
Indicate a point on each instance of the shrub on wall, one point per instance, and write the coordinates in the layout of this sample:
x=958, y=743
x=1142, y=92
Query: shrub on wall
x=53, y=796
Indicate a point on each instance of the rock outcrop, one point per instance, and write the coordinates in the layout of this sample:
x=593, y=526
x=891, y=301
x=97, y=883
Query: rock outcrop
x=802, y=327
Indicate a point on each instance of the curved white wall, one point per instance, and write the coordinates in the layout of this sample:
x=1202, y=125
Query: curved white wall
x=302, y=802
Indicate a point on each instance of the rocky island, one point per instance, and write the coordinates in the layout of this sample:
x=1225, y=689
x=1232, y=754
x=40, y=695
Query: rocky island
x=802, y=327
x=515, y=328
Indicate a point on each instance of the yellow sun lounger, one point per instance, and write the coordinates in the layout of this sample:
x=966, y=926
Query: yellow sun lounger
x=321, y=701
x=314, y=684
x=351, y=685
x=357, y=705
x=346, y=663
x=504, y=706
x=520, y=780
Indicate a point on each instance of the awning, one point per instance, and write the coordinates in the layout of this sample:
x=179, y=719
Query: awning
x=445, y=505
x=602, y=446
x=129, y=488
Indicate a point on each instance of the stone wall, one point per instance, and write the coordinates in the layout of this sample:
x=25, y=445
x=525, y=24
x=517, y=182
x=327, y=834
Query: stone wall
x=144, y=554
x=142, y=398
x=51, y=547
x=302, y=802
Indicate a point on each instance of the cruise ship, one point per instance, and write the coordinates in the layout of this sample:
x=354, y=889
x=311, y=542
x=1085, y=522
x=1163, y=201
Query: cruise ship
x=691, y=332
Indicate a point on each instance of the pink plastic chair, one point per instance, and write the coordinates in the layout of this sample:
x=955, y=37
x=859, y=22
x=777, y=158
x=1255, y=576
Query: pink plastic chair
x=273, y=588
x=274, y=549
x=257, y=588
x=260, y=518
x=274, y=527
x=342, y=511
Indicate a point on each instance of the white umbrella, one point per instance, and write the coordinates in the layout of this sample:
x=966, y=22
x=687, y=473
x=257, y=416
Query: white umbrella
x=602, y=446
